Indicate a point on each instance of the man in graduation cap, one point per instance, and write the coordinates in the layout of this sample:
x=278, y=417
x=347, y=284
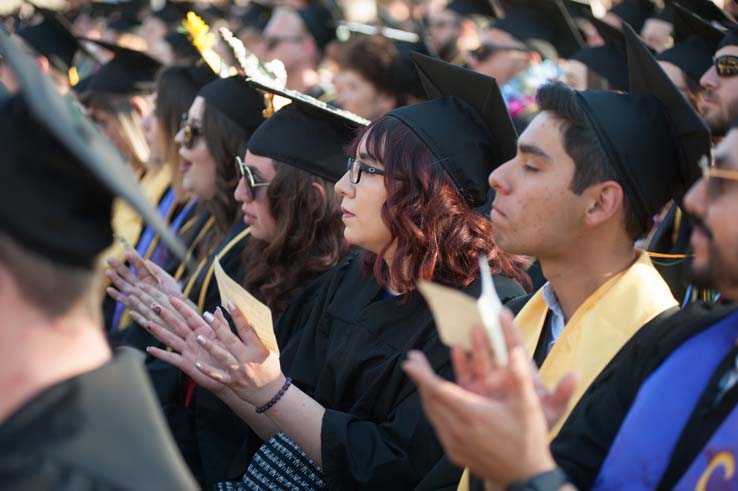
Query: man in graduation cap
x=53, y=45
x=521, y=51
x=720, y=82
x=602, y=67
x=72, y=416
x=297, y=37
x=678, y=429
x=454, y=29
x=591, y=171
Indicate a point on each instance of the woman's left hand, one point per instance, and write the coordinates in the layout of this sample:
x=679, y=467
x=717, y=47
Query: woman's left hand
x=244, y=365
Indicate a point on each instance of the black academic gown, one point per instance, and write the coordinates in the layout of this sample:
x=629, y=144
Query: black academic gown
x=584, y=441
x=344, y=342
x=100, y=431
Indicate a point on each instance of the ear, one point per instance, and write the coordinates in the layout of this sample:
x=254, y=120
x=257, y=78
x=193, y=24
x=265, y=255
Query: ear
x=386, y=101
x=139, y=104
x=535, y=57
x=605, y=202
x=317, y=188
x=43, y=64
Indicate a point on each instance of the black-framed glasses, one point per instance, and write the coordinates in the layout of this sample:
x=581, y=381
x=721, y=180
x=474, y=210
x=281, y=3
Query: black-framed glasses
x=356, y=167
x=272, y=42
x=248, y=176
x=486, y=50
x=190, y=132
x=715, y=177
x=726, y=65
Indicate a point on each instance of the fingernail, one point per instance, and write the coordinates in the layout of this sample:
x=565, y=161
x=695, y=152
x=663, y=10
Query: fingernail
x=148, y=349
x=219, y=310
x=208, y=317
x=230, y=306
x=198, y=365
x=200, y=339
x=156, y=309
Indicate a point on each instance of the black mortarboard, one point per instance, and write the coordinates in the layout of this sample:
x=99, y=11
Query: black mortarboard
x=634, y=12
x=707, y=10
x=307, y=134
x=579, y=9
x=130, y=72
x=730, y=38
x=52, y=38
x=545, y=26
x=652, y=136
x=465, y=125
x=238, y=101
x=665, y=14
x=608, y=61
x=319, y=23
x=695, y=43
x=182, y=47
x=471, y=8
x=257, y=15
x=405, y=77
x=61, y=172
x=173, y=13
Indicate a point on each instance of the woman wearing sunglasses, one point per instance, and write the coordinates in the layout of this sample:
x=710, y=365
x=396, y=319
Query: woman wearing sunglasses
x=334, y=409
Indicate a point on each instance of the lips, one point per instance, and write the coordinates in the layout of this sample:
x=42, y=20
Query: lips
x=496, y=211
x=346, y=214
x=184, y=166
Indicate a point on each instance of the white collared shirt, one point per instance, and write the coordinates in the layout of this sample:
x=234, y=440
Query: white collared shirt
x=557, y=320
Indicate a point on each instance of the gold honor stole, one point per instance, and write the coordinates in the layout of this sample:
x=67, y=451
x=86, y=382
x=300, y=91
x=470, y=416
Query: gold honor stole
x=126, y=221
x=597, y=331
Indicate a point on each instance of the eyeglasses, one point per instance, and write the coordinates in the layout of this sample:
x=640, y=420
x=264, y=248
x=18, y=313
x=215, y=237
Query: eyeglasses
x=356, y=167
x=726, y=65
x=715, y=177
x=248, y=176
x=486, y=50
x=190, y=132
x=272, y=42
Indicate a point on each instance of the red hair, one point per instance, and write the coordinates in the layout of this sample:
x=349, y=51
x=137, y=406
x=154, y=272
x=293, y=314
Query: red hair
x=438, y=236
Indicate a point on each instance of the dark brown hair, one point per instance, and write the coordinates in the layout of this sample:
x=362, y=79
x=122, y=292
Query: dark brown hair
x=309, y=238
x=373, y=58
x=438, y=236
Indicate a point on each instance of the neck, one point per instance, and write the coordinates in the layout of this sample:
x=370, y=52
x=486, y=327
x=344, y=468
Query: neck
x=578, y=274
x=302, y=79
x=41, y=352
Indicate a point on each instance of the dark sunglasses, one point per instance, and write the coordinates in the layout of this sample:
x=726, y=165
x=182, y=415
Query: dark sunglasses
x=726, y=65
x=273, y=42
x=486, y=50
x=248, y=176
x=190, y=132
x=356, y=167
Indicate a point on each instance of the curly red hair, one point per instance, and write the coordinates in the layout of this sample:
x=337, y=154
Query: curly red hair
x=438, y=236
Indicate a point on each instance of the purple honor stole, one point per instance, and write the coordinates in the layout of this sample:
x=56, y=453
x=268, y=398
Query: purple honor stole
x=143, y=245
x=642, y=448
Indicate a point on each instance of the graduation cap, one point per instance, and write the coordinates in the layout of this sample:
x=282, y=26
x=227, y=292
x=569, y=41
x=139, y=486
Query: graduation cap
x=308, y=134
x=52, y=38
x=130, y=72
x=319, y=23
x=471, y=8
x=257, y=15
x=172, y=13
x=545, y=26
x=238, y=101
x=465, y=125
x=579, y=9
x=730, y=38
x=608, y=61
x=707, y=10
x=62, y=172
x=695, y=43
x=634, y=12
x=652, y=136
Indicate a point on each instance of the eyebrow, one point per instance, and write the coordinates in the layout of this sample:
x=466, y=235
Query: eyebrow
x=534, y=150
x=365, y=156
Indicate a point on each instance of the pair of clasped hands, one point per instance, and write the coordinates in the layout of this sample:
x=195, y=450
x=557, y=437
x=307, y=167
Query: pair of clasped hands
x=202, y=346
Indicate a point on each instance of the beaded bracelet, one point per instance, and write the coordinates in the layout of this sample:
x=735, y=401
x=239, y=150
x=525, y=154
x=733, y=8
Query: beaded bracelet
x=276, y=398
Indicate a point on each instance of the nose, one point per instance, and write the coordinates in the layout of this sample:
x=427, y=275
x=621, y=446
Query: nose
x=242, y=194
x=497, y=179
x=710, y=79
x=344, y=187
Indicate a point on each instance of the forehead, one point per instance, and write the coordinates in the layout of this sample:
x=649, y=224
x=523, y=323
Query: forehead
x=284, y=21
x=544, y=132
x=197, y=107
x=727, y=50
x=258, y=162
x=498, y=36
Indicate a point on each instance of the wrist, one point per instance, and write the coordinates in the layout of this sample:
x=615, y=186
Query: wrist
x=550, y=479
x=264, y=394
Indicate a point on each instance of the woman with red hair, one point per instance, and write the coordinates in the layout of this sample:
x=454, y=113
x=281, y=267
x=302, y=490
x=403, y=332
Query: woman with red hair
x=335, y=409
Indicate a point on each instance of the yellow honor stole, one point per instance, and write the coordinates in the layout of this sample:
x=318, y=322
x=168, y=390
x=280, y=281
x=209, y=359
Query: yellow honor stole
x=597, y=331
